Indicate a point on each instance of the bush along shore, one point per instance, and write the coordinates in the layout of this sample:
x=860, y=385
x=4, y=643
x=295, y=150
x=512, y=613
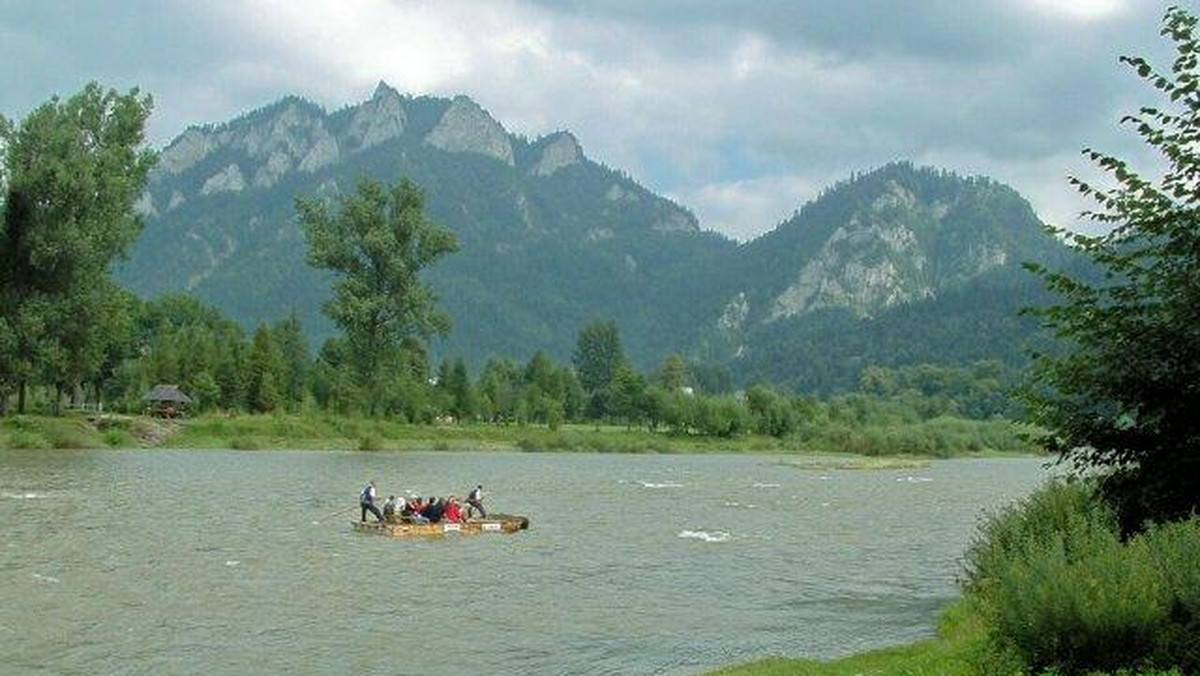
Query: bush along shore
x=937, y=438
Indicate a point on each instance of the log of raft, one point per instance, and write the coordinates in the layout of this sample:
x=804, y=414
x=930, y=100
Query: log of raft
x=398, y=528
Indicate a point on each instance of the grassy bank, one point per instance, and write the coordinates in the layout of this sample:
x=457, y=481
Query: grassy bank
x=959, y=649
x=933, y=438
x=948, y=654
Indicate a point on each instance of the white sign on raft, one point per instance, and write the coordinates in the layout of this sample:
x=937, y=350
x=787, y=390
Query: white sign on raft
x=451, y=527
x=491, y=527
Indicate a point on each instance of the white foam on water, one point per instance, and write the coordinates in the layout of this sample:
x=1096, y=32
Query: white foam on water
x=763, y=485
x=915, y=479
x=231, y=563
x=705, y=536
x=316, y=523
x=45, y=578
x=738, y=504
x=664, y=484
x=28, y=495
x=824, y=504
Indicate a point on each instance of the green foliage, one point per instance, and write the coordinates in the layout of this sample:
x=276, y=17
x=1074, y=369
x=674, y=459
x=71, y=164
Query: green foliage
x=1058, y=589
x=598, y=354
x=370, y=442
x=293, y=350
x=72, y=171
x=265, y=373
x=245, y=443
x=376, y=244
x=115, y=437
x=770, y=412
x=1123, y=398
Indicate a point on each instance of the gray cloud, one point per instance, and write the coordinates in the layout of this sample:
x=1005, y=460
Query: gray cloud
x=739, y=109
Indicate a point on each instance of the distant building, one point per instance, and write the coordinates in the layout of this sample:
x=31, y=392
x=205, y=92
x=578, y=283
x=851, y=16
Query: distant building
x=167, y=401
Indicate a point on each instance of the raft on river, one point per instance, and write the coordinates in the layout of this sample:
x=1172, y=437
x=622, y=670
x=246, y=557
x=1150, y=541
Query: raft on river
x=499, y=523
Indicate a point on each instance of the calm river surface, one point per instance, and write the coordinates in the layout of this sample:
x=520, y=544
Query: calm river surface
x=213, y=562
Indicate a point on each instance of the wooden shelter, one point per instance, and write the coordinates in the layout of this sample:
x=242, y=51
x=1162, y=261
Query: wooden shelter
x=167, y=401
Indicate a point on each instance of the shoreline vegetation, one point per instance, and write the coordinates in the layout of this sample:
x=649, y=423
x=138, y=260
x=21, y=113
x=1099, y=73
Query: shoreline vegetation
x=892, y=446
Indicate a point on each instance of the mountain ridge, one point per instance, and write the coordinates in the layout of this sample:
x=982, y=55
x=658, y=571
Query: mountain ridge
x=551, y=239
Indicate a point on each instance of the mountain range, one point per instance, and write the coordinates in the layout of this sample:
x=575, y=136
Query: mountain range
x=895, y=266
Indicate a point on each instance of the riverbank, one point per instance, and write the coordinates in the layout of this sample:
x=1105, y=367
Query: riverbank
x=940, y=437
x=947, y=654
x=958, y=649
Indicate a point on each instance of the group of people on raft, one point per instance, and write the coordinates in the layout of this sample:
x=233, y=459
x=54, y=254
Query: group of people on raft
x=421, y=510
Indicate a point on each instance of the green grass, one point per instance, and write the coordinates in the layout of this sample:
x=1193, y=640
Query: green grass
x=876, y=463
x=334, y=432
x=959, y=649
x=948, y=654
x=40, y=432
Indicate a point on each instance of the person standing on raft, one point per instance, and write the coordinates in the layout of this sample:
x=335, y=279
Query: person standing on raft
x=366, y=500
x=475, y=502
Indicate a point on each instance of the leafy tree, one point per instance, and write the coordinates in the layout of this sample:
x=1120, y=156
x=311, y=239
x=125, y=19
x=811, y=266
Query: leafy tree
x=204, y=391
x=598, y=355
x=674, y=372
x=770, y=412
x=1124, y=396
x=377, y=243
x=498, y=386
x=573, y=398
x=628, y=389
x=72, y=171
x=266, y=372
x=331, y=385
x=462, y=395
x=293, y=348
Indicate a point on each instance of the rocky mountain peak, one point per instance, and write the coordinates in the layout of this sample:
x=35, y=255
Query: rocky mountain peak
x=184, y=152
x=383, y=90
x=893, y=236
x=378, y=119
x=466, y=127
x=558, y=150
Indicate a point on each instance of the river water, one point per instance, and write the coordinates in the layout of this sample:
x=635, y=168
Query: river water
x=214, y=562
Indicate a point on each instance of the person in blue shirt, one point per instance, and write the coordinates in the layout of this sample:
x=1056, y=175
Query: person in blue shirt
x=366, y=500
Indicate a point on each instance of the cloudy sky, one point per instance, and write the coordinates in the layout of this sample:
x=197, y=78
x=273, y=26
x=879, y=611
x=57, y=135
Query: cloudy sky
x=739, y=109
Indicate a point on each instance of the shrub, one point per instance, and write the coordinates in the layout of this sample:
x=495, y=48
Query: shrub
x=67, y=437
x=1057, y=588
x=27, y=440
x=1174, y=550
x=116, y=437
x=1056, y=512
x=370, y=442
x=244, y=443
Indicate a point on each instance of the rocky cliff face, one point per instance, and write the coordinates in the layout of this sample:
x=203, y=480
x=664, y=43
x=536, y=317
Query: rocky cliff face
x=465, y=127
x=892, y=238
x=557, y=151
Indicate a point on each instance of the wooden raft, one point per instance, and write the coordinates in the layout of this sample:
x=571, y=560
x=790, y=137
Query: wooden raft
x=500, y=523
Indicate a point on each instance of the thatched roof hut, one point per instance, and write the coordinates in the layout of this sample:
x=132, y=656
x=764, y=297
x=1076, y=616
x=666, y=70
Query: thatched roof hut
x=167, y=394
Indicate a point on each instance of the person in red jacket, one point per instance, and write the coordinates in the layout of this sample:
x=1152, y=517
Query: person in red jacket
x=453, y=512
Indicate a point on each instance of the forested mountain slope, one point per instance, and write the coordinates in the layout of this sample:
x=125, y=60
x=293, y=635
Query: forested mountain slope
x=549, y=239
x=896, y=266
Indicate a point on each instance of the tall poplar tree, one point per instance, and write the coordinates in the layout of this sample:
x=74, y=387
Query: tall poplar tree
x=377, y=240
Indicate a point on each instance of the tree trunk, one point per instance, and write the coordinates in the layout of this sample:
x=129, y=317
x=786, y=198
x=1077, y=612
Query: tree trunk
x=21, y=398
